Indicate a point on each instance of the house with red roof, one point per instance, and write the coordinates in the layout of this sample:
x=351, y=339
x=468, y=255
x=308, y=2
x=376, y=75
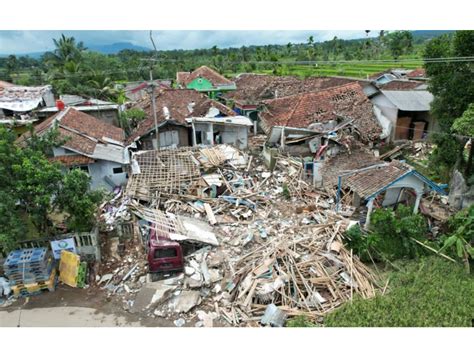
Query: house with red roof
x=90, y=144
x=206, y=80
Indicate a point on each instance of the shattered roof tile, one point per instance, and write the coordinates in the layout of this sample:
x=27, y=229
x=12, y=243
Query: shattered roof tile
x=345, y=102
x=368, y=182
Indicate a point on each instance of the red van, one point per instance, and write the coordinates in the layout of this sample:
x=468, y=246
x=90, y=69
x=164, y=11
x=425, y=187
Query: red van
x=164, y=254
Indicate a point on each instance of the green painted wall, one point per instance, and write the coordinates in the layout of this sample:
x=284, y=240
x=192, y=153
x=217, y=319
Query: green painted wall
x=200, y=84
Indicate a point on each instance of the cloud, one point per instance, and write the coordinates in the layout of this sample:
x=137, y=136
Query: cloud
x=18, y=42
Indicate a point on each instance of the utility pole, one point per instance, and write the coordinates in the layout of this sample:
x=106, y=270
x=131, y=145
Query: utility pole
x=153, y=105
x=152, y=89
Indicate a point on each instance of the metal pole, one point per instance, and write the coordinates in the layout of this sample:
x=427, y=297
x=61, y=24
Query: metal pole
x=153, y=105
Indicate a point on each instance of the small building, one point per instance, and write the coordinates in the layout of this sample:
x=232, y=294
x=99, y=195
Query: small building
x=206, y=80
x=385, y=184
x=173, y=106
x=18, y=103
x=91, y=145
x=408, y=112
x=103, y=110
x=220, y=130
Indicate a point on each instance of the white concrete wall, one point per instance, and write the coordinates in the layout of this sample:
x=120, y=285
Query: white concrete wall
x=103, y=169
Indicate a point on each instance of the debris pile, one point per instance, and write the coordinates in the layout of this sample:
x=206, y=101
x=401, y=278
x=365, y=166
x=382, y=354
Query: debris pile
x=259, y=238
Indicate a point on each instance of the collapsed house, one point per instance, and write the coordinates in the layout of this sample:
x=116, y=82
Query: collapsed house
x=205, y=80
x=89, y=144
x=252, y=89
x=187, y=117
x=17, y=104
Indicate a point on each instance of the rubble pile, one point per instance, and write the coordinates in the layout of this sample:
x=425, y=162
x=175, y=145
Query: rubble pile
x=271, y=240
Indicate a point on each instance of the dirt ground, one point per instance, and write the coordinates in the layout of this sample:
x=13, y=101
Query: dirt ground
x=94, y=298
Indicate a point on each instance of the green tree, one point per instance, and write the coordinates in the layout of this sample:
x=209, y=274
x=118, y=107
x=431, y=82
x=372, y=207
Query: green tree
x=399, y=43
x=75, y=198
x=452, y=85
x=465, y=125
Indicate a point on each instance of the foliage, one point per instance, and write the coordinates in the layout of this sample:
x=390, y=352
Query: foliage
x=465, y=125
x=130, y=119
x=286, y=191
x=75, y=198
x=390, y=235
x=300, y=322
x=399, y=43
x=459, y=242
x=32, y=186
x=432, y=292
x=452, y=84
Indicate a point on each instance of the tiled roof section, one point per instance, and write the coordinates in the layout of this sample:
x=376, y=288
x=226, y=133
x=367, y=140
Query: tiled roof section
x=400, y=85
x=5, y=84
x=202, y=108
x=91, y=126
x=417, y=73
x=81, y=131
x=76, y=142
x=368, y=182
x=214, y=77
x=178, y=103
x=346, y=102
x=254, y=88
x=344, y=162
x=72, y=160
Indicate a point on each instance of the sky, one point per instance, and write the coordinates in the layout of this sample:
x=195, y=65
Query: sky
x=18, y=42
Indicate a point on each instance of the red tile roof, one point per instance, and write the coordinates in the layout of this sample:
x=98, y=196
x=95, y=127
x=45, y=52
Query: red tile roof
x=400, y=85
x=368, y=182
x=81, y=131
x=72, y=160
x=178, y=103
x=254, y=88
x=345, y=102
x=184, y=78
x=417, y=73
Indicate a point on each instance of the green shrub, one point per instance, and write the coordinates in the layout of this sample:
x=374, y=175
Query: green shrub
x=431, y=292
x=390, y=235
x=300, y=322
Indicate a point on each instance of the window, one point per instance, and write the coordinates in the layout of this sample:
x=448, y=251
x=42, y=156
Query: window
x=118, y=170
x=84, y=168
x=166, y=253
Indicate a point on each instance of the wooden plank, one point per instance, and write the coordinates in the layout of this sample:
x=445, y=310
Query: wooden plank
x=210, y=214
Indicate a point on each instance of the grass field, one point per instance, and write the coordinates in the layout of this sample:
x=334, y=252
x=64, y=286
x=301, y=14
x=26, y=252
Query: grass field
x=349, y=69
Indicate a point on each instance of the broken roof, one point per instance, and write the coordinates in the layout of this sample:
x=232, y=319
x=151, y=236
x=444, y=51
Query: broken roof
x=254, y=88
x=345, y=102
x=417, y=73
x=22, y=98
x=369, y=182
x=72, y=160
x=84, y=134
x=409, y=100
x=344, y=162
x=184, y=78
x=400, y=85
x=181, y=104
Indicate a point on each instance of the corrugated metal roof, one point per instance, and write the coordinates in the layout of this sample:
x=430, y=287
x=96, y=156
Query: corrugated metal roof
x=411, y=100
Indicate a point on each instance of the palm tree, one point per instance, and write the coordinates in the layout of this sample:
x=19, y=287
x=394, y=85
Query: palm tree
x=66, y=51
x=103, y=87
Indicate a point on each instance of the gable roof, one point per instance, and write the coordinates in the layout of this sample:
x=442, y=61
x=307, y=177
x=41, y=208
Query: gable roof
x=409, y=100
x=346, y=102
x=370, y=182
x=83, y=133
x=184, y=78
x=254, y=88
x=181, y=104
